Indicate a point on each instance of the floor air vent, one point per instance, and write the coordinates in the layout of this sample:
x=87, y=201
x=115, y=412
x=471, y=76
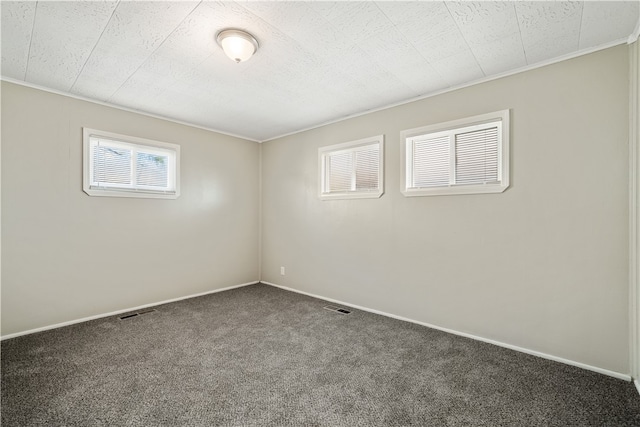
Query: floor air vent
x=140, y=313
x=128, y=316
x=337, y=309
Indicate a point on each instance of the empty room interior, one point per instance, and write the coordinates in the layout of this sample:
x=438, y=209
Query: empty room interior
x=320, y=213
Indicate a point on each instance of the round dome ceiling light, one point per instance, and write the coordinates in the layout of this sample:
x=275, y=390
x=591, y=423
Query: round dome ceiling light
x=237, y=44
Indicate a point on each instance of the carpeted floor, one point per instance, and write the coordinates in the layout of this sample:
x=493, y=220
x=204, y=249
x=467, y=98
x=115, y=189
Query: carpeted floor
x=260, y=356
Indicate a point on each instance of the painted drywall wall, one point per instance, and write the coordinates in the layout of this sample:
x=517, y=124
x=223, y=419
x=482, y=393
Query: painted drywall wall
x=634, y=232
x=542, y=266
x=66, y=255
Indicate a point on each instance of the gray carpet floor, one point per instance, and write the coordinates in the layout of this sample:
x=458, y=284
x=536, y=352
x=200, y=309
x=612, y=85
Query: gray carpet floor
x=261, y=356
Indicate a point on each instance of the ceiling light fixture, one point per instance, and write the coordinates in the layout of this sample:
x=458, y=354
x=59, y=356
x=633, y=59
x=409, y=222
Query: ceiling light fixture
x=237, y=44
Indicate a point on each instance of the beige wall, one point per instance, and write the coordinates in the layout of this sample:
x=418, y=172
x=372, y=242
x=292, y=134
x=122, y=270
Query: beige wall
x=66, y=255
x=543, y=266
x=634, y=136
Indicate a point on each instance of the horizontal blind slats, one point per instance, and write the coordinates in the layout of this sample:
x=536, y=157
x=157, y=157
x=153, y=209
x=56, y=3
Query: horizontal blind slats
x=353, y=169
x=431, y=158
x=340, y=167
x=112, y=165
x=152, y=170
x=477, y=156
x=116, y=166
x=367, y=164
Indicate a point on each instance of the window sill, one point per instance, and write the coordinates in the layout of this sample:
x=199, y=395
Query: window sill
x=352, y=195
x=141, y=194
x=454, y=190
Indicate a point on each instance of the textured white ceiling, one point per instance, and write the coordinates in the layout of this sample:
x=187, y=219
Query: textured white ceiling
x=318, y=61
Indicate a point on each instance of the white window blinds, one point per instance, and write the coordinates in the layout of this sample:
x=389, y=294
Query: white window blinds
x=152, y=170
x=461, y=157
x=117, y=166
x=367, y=167
x=351, y=170
x=431, y=161
x=111, y=165
x=477, y=156
x=341, y=170
x=354, y=169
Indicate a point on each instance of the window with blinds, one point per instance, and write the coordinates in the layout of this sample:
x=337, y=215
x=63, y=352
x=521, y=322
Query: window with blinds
x=461, y=157
x=352, y=170
x=124, y=166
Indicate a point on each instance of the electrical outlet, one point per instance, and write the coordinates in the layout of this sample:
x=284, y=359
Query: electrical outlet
x=282, y=271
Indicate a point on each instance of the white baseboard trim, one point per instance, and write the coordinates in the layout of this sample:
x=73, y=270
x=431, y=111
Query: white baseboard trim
x=637, y=383
x=466, y=335
x=113, y=313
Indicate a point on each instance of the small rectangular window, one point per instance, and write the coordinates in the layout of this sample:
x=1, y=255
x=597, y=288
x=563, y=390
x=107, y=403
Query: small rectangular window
x=125, y=166
x=465, y=156
x=352, y=170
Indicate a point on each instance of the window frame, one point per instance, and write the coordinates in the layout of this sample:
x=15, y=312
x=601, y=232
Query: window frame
x=452, y=127
x=351, y=146
x=135, y=144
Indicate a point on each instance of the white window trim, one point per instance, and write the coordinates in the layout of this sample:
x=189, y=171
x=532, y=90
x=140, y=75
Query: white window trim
x=140, y=191
x=503, y=156
x=348, y=146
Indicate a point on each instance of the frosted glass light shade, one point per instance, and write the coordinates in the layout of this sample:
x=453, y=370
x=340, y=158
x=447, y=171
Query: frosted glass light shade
x=237, y=45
